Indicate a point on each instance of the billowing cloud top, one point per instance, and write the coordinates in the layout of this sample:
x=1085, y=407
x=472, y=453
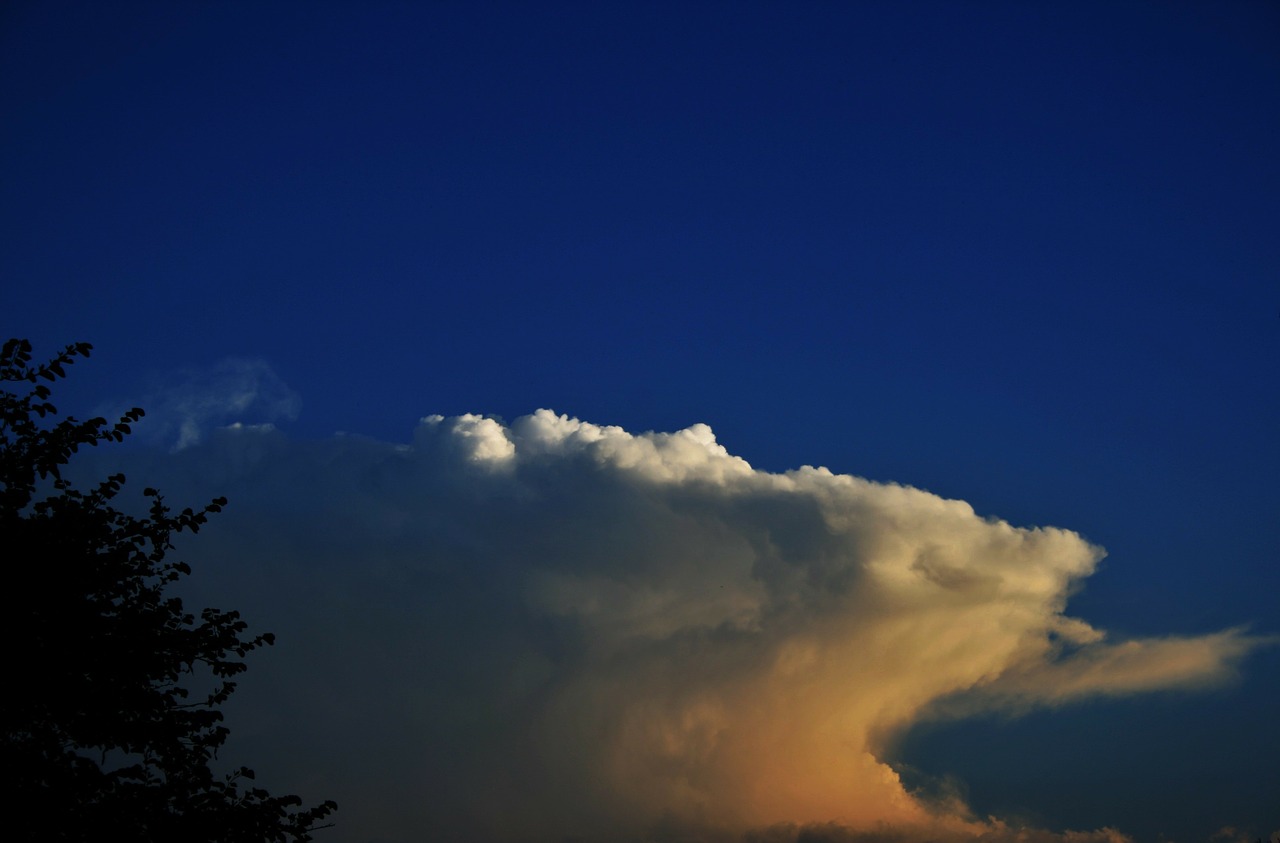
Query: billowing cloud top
x=556, y=630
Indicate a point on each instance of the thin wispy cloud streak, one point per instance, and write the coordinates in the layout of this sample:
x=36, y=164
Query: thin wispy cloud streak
x=556, y=630
x=184, y=406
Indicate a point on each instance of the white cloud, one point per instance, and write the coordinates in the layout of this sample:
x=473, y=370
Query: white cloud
x=557, y=629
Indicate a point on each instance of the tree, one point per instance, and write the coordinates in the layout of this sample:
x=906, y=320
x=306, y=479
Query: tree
x=104, y=732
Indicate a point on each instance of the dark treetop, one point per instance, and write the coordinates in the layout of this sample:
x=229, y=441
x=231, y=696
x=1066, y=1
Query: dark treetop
x=104, y=730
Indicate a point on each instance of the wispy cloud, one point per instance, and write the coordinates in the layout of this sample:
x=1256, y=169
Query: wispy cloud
x=555, y=629
x=184, y=407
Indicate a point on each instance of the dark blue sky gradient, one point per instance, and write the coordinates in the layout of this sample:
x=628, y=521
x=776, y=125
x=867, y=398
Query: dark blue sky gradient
x=1023, y=254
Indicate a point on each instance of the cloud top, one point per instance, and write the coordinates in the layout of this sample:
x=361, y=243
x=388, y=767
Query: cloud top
x=557, y=629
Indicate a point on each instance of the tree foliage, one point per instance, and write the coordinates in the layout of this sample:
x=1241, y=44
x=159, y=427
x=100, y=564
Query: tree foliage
x=104, y=732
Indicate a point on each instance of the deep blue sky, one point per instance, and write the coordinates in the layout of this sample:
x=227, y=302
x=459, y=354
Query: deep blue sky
x=1023, y=254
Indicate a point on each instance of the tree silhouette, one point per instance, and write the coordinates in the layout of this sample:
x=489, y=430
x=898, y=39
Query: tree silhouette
x=104, y=733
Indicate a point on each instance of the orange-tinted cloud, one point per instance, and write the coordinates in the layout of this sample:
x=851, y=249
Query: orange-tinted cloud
x=559, y=630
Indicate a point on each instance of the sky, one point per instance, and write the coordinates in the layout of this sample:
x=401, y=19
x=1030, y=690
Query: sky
x=693, y=421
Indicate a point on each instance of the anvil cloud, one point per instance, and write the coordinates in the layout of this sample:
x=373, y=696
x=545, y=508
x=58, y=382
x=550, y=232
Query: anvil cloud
x=556, y=629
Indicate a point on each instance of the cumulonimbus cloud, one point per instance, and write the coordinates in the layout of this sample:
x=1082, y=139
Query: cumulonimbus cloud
x=556, y=630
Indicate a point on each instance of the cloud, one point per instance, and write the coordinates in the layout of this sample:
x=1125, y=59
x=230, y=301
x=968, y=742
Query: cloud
x=993, y=831
x=182, y=409
x=1231, y=834
x=558, y=630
